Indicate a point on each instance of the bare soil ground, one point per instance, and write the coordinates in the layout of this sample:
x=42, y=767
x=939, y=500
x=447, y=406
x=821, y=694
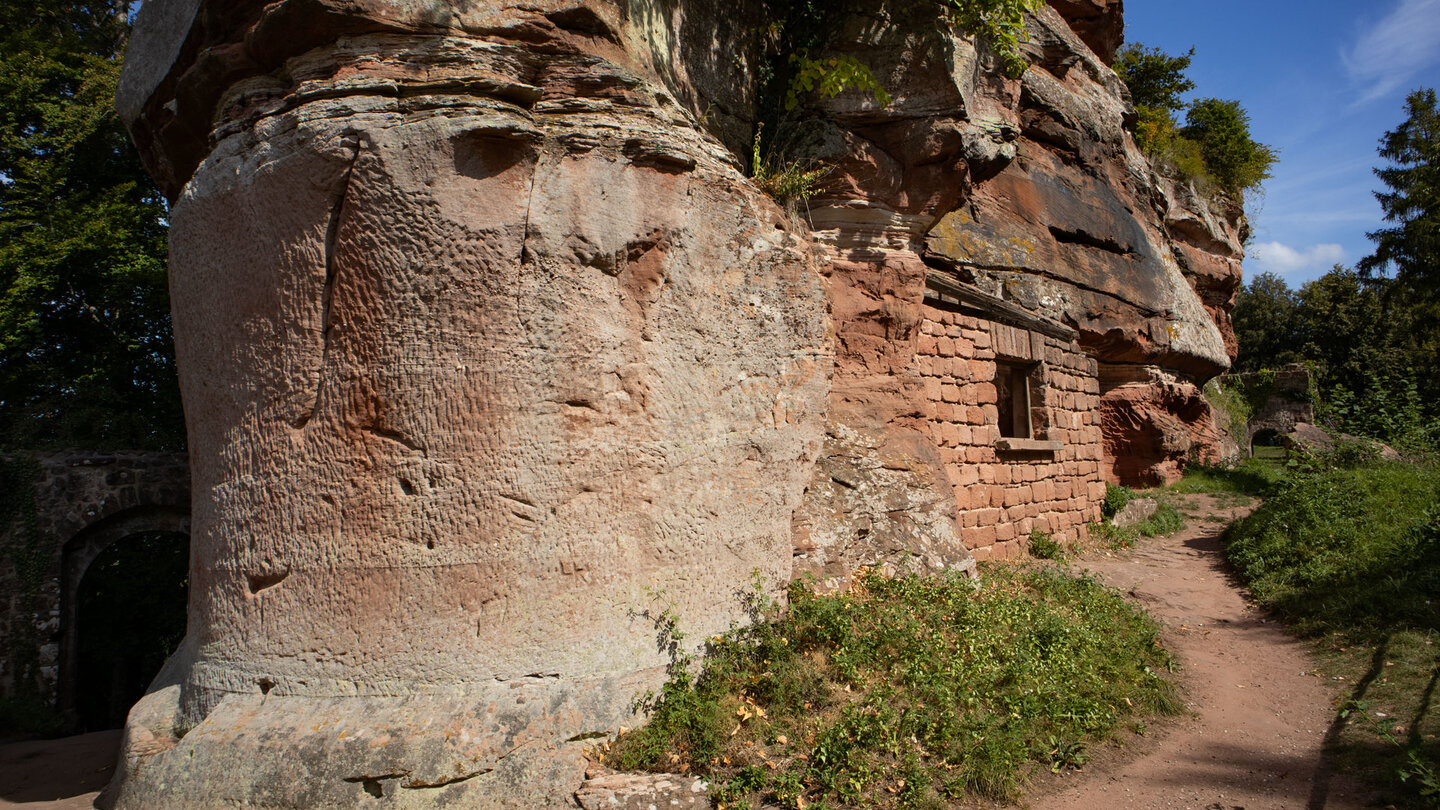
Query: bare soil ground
x=63, y=774
x=1259, y=712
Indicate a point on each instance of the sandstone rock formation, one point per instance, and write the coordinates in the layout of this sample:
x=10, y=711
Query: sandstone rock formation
x=1081, y=227
x=490, y=351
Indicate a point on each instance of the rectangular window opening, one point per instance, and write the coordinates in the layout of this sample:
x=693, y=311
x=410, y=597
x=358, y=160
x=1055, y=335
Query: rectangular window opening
x=1012, y=399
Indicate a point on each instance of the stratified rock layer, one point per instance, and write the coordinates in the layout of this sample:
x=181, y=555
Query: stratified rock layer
x=491, y=357
x=1081, y=228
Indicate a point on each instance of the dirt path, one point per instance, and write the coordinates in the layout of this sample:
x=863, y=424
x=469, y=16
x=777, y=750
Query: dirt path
x=63, y=774
x=1255, y=739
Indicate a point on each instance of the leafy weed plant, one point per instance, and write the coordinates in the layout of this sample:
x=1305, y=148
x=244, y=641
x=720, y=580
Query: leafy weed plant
x=1116, y=499
x=1043, y=546
x=906, y=692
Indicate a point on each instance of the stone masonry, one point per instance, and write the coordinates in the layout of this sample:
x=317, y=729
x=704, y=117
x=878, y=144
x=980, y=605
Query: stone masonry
x=1001, y=495
x=83, y=502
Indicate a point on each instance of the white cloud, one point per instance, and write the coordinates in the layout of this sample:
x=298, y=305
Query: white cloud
x=1276, y=257
x=1395, y=47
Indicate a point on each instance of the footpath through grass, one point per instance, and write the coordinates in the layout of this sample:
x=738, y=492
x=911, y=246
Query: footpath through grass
x=906, y=692
x=1351, y=557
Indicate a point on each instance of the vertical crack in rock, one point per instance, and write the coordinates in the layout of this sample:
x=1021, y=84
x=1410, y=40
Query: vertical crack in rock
x=327, y=293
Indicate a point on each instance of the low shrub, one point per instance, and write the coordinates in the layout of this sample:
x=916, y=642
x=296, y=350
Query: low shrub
x=1043, y=546
x=1116, y=497
x=906, y=692
x=1166, y=521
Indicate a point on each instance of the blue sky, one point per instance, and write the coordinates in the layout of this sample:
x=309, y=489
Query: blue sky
x=1323, y=81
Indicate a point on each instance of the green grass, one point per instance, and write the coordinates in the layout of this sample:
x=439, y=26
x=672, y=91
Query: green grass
x=1255, y=476
x=907, y=692
x=1166, y=521
x=1351, y=557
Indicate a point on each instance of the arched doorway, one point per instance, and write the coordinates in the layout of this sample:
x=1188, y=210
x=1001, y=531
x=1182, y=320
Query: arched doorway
x=130, y=615
x=1267, y=443
x=123, y=607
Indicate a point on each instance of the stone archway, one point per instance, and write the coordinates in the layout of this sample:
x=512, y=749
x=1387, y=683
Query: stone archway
x=78, y=555
x=72, y=505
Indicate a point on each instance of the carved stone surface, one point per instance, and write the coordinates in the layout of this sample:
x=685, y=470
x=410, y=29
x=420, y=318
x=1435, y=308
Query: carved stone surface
x=486, y=348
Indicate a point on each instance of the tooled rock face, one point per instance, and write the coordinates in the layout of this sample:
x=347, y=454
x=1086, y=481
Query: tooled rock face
x=490, y=350
x=490, y=355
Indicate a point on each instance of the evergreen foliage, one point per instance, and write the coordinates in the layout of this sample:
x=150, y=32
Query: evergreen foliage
x=85, y=349
x=1411, y=247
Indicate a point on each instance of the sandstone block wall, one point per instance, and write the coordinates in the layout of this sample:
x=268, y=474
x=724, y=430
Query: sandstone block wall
x=1000, y=496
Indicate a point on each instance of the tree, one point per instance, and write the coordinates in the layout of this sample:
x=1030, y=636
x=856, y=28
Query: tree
x=1266, y=326
x=85, y=347
x=1214, y=146
x=1156, y=79
x=1222, y=128
x=1411, y=247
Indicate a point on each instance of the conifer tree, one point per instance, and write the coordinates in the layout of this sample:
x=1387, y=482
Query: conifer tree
x=85, y=347
x=1411, y=245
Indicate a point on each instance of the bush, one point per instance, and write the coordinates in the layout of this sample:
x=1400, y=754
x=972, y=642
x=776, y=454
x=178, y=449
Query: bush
x=907, y=692
x=1222, y=129
x=1156, y=79
x=1352, y=549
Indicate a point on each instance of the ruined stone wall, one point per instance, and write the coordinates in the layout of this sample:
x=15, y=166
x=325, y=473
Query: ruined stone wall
x=82, y=502
x=1001, y=495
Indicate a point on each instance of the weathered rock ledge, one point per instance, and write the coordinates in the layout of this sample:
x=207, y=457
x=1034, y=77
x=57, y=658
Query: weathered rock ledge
x=491, y=354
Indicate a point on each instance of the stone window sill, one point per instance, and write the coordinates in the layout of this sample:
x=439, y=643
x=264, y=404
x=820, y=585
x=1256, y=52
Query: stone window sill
x=1027, y=445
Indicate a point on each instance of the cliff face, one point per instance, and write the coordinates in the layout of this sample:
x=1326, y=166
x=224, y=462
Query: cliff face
x=491, y=352
x=493, y=363
x=1079, y=226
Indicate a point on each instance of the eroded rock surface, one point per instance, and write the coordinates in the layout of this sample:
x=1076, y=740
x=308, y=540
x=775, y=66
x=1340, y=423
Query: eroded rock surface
x=491, y=353
x=487, y=349
x=1080, y=227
